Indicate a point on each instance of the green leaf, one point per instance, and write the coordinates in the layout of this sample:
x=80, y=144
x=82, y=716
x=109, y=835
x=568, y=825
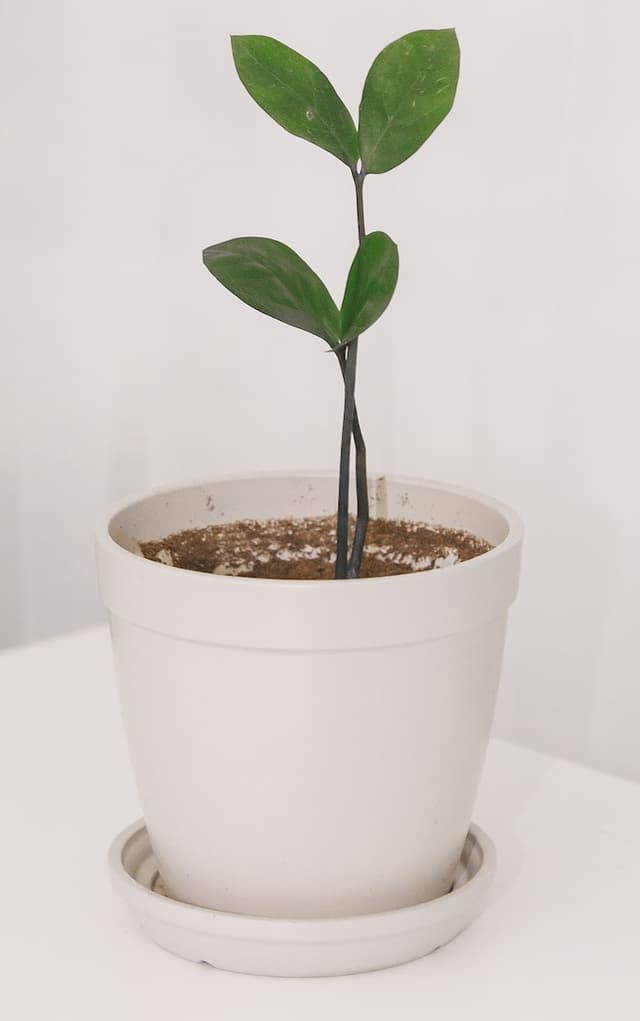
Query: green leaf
x=409, y=90
x=271, y=278
x=370, y=285
x=296, y=94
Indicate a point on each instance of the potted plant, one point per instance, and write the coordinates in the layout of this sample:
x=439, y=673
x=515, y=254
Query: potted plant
x=308, y=692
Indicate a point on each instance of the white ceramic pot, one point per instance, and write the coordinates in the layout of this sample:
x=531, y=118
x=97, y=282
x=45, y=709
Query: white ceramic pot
x=307, y=748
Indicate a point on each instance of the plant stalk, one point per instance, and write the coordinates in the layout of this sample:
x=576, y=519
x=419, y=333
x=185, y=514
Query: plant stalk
x=349, y=566
x=362, y=489
x=342, y=533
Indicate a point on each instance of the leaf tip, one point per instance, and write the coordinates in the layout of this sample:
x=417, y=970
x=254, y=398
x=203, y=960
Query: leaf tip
x=238, y=42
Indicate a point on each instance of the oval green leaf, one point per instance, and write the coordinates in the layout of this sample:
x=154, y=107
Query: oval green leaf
x=370, y=285
x=296, y=94
x=409, y=90
x=273, y=279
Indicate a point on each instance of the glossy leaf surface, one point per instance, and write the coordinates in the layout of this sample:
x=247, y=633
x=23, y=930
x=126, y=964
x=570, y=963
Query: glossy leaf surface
x=370, y=285
x=409, y=90
x=296, y=94
x=270, y=277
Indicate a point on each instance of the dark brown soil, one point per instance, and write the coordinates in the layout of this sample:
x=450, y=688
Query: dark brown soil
x=304, y=548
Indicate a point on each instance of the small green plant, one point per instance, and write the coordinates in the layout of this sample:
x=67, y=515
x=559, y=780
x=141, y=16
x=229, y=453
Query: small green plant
x=408, y=91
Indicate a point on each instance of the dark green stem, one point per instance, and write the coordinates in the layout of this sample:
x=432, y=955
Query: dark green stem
x=358, y=180
x=342, y=534
x=362, y=489
x=349, y=567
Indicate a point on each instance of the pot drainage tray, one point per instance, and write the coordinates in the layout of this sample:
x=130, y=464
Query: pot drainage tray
x=298, y=947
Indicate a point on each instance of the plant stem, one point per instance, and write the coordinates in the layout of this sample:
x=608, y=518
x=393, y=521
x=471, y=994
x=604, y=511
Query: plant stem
x=362, y=489
x=362, y=520
x=358, y=180
x=350, y=568
x=342, y=533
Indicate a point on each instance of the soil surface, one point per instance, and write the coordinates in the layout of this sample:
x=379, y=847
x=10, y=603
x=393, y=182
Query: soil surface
x=304, y=548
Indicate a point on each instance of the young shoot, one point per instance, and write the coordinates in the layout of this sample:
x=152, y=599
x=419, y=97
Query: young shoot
x=409, y=90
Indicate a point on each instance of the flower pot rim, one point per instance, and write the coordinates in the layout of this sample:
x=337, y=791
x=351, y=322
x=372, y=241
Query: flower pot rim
x=105, y=540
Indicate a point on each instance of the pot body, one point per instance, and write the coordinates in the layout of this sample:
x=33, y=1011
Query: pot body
x=307, y=749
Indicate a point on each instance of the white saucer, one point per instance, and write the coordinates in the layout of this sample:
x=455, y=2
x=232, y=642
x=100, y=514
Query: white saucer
x=298, y=947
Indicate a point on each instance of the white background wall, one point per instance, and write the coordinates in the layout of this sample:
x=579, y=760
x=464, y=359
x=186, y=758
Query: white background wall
x=507, y=362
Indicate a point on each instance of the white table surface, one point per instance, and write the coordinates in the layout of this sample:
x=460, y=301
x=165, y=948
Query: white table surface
x=559, y=940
